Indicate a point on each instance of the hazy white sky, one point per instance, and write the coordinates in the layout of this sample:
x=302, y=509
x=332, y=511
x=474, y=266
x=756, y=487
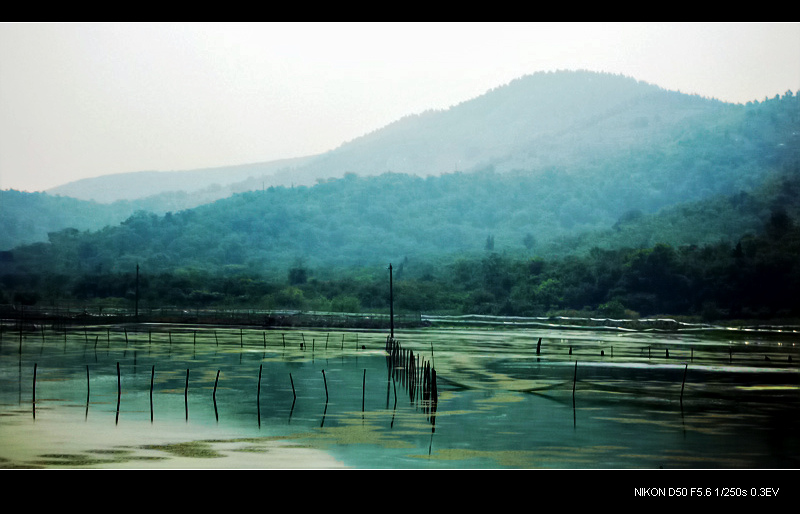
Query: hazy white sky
x=83, y=100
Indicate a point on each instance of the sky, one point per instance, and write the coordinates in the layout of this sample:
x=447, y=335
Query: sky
x=81, y=100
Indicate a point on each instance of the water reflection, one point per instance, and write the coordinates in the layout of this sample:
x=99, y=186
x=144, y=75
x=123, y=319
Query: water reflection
x=432, y=398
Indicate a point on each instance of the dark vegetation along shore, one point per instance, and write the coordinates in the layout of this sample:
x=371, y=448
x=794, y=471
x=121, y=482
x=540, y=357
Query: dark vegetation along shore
x=756, y=278
x=638, y=203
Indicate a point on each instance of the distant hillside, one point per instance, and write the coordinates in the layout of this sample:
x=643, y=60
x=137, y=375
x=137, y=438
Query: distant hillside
x=28, y=217
x=209, y=183
x=570, y=125
x=92, y=204
x=326, y=248
x=367, y=221
x=543, y=158
x=696, y=217
x=546, y=120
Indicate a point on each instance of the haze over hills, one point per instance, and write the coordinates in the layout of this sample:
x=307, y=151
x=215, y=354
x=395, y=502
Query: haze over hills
x=537, y=121
x=555, y=122
x=553, y=165
x=141, y=184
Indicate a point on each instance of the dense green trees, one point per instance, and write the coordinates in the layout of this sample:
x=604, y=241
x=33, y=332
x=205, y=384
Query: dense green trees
x=255, y=251
x=757, y=277
x=611, y=236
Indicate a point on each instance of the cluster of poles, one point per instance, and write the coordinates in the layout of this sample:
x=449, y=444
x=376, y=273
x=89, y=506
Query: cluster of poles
x=413, y=372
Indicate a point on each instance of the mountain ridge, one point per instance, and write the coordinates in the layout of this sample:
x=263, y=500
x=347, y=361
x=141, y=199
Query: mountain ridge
x=642, y=150
x=140, y=184
x=496, y=128
x=664, y=203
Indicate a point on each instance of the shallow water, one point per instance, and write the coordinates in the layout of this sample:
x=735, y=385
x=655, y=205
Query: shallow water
x=257, y=399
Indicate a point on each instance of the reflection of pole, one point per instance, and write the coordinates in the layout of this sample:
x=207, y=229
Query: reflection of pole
x=391, y=303
x=685, y=369
x=119, y=391
x=186, y=395
x=34, y=389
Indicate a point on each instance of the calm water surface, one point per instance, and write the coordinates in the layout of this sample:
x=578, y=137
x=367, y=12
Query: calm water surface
x=152, y=396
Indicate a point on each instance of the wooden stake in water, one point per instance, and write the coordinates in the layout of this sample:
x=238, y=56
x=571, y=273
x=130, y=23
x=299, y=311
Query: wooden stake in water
x=216, y=381
x=391, y=303
x=119, y=391
x=186, y=395
x=258, y=392
x=294, y=395
x=363, y=389
x=216, y=414
x=435, y=389
x=326, y=385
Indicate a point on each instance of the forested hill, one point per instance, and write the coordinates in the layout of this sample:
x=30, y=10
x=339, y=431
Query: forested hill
x=661, y=167
x=27, y=218
x=741, y=260
x=92, y=204
x=564, y=119
x=648, y=146
x=548, y=120
x=158, y=186
x=369, y=220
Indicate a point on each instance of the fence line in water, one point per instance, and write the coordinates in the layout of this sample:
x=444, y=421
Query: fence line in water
x=415, y=373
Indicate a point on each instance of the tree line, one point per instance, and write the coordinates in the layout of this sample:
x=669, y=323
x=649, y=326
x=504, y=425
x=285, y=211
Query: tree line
x=755, y=278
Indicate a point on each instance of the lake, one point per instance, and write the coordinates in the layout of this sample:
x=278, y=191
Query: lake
x=147, y=396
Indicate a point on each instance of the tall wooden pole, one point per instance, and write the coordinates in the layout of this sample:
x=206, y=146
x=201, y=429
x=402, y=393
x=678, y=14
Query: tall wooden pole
x=136, y=306
x=391, y=303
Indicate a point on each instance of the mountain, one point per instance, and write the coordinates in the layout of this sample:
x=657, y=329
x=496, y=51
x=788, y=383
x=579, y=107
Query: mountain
x=577, y=124
x=211, y=183
x=549, y=119
x=555, y=168
x=92, y=204
x=27, y=218
x=538, y=121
